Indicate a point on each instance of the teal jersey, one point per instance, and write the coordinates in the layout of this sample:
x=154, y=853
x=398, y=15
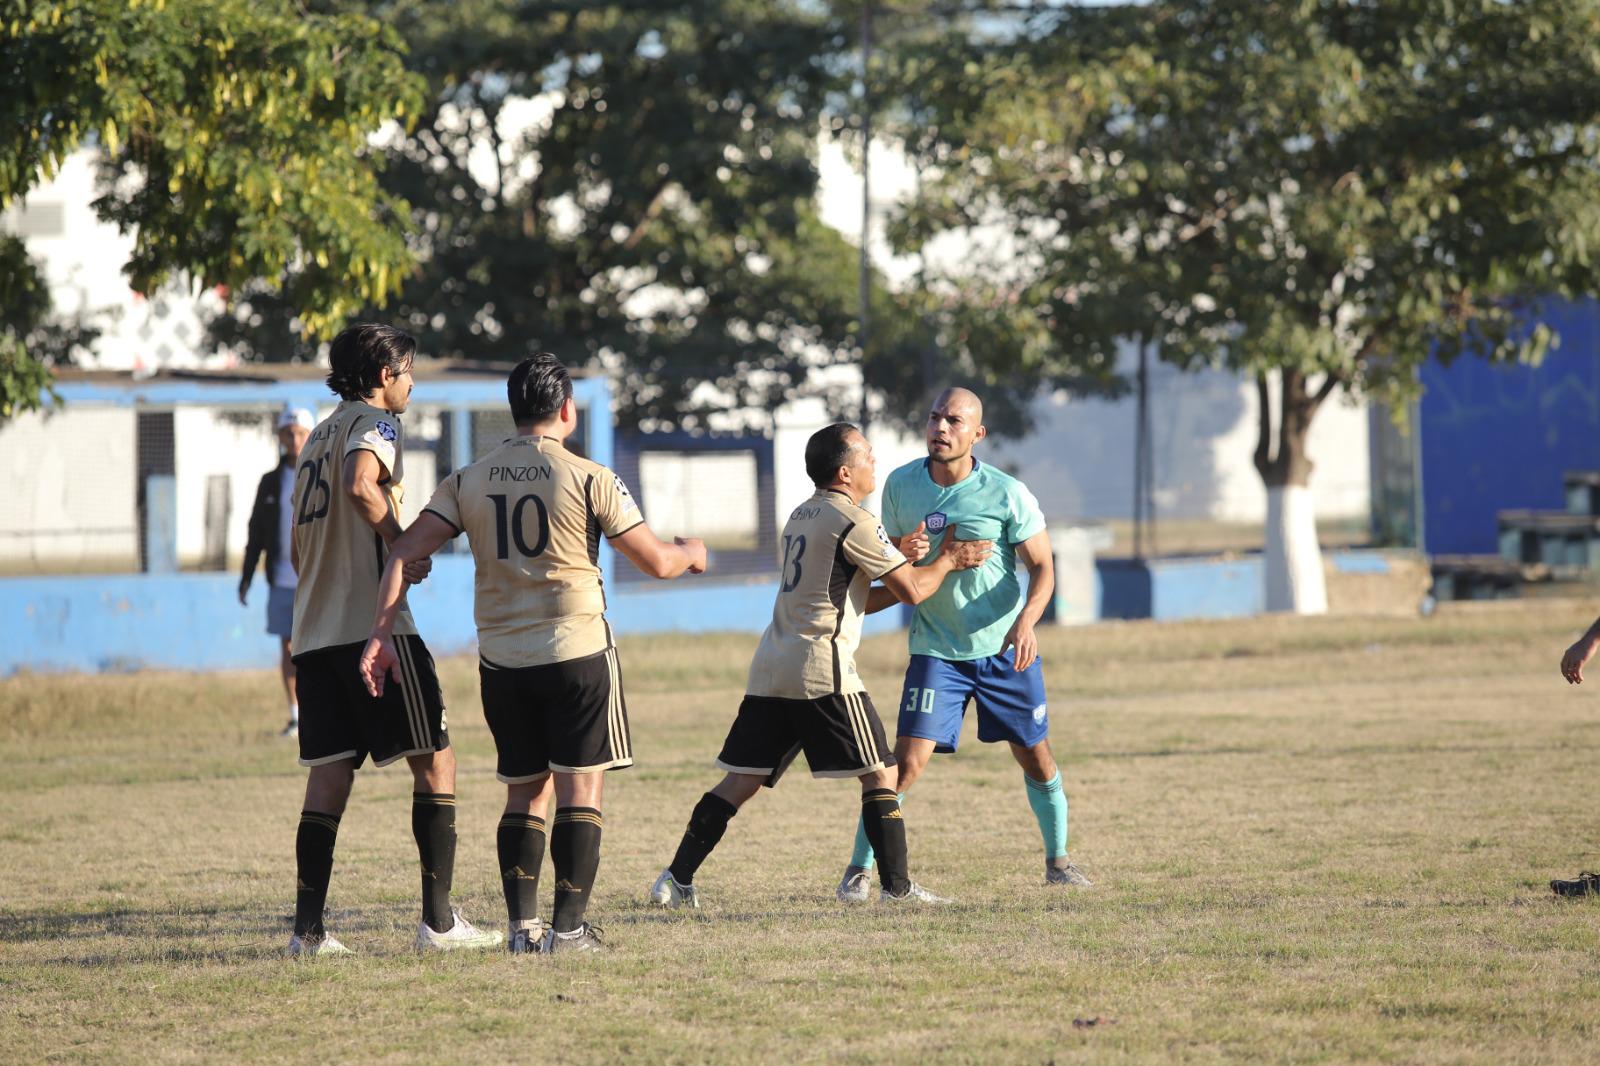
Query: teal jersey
x=970, y=614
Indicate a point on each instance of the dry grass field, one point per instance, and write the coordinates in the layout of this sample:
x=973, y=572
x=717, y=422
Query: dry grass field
x=1313, y=841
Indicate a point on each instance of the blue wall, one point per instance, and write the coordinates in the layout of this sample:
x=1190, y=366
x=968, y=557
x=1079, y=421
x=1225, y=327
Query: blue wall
x=1498, y=437
x=194, y=621
x=1176, y=588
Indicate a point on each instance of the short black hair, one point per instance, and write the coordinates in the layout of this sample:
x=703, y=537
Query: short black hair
x=828, y=449
x=359, y=354
x=537, y=388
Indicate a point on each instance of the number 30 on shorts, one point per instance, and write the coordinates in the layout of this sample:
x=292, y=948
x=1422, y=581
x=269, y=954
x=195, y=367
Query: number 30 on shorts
x=913, y=701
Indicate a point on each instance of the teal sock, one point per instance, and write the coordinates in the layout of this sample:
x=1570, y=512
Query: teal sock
x=1049, y=803
x=863, y=856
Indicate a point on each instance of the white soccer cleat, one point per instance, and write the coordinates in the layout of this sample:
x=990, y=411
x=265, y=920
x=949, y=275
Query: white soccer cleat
x=855, y=886
x=915, y=894
x=292, y=729
x=666, y=892
x=311, y=947
x=463, y=936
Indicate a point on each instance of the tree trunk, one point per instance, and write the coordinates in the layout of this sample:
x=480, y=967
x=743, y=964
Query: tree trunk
x=1293, y=558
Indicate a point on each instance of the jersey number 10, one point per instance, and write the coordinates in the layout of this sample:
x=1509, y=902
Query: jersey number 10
x=508, y=532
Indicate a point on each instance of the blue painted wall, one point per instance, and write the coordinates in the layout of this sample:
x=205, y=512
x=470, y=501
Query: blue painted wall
x=1177, y=588
x=194, y=621
x=1498, y=437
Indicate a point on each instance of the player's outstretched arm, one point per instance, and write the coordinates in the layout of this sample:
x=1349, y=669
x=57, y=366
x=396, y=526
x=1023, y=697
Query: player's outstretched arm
x=1037, y=557
x=1578, y=656
x=913, y=584
x=656, y=557
x=425, y=536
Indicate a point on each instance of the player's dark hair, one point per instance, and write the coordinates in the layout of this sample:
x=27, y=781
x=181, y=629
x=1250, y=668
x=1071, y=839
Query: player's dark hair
x=828, y=450
x=358, y=355
x=537, y=388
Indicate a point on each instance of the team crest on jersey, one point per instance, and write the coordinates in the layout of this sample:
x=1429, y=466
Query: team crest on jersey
x=936, y=522
x=622, y=489
x=385, y=430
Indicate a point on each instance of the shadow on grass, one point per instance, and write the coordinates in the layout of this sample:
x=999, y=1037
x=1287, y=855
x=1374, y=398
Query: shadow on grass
x=191, y=922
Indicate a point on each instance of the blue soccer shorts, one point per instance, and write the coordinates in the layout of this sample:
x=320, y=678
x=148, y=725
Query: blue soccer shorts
x=1011, y=705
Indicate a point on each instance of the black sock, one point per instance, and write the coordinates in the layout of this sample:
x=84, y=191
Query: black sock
x=433, y=823
x=520, y=842
x=575, y=848
x=880, y=815
x=706, y=826
x=313, y=860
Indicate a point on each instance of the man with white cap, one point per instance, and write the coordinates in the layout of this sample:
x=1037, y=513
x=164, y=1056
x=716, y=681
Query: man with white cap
x=271, y=520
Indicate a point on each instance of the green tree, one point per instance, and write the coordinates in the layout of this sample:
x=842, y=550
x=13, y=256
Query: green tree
x=1317, y=193
x=631, y=186
x=235, y=138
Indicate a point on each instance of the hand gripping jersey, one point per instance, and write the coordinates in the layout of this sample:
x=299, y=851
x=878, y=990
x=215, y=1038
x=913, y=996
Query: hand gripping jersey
x=970, y=614
x=534, y=513
x=832, y=552
x=341, y=557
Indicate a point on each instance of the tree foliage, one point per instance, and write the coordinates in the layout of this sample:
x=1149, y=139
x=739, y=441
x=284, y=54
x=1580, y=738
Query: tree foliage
x=235, y=136
x=1330, y=190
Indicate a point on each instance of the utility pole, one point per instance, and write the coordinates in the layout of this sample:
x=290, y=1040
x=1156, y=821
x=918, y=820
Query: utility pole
x=865, y=266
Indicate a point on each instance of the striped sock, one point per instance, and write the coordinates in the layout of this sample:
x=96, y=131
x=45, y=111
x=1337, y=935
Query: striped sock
x=520, y=840
x=433, y=823
x=863, y=856
x=313, y=858
x=880, y=813
x=575, y=848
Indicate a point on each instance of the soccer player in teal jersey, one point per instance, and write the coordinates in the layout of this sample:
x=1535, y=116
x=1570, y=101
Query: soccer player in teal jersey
x=973, y=640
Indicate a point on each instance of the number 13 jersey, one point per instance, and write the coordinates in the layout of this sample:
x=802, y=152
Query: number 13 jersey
x=832, y=552
x=341, y=557
x=533, y=514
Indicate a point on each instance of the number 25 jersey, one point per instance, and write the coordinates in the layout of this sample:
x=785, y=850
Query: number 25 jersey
x=533, y=514
x=341, y=557
x=832, y=552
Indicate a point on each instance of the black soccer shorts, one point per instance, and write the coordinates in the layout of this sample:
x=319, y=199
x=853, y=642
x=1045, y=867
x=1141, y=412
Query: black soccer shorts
x=339, y=720
x=841, y=735
x=568, y=716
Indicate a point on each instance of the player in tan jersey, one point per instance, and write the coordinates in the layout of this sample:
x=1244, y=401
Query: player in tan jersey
x=803, y=692
x=345, y=493
x=534, y=514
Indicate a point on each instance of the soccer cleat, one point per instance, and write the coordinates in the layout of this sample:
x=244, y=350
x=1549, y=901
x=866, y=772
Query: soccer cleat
x=1061, y=871
x=311, y=947
x=915, y=894
x=462, y=936
x=855, y=886
x=585, y=938
x=528, y=940
x=292, y=729
x=1584, y=884
x=666, y=892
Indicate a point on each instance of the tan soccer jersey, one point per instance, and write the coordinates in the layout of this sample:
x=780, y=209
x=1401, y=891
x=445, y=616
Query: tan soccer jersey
x=533, y=513
x=832, y=552
x=341, y=557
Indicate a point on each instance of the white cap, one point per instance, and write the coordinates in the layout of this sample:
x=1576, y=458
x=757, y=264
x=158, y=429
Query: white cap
x=295, y=416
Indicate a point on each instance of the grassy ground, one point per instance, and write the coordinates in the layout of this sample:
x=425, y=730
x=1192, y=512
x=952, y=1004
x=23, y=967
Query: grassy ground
x=1313, y=840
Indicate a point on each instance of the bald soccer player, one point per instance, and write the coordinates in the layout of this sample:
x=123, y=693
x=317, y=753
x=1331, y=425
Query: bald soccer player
x=973, y=640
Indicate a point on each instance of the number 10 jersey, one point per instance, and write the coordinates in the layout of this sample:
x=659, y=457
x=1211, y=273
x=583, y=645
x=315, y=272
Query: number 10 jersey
x=833, y=551
x=533, y=514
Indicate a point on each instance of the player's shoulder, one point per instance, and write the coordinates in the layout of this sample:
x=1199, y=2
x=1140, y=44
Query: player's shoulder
x=999, y=480
x=906, y=472
x=852, y=512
